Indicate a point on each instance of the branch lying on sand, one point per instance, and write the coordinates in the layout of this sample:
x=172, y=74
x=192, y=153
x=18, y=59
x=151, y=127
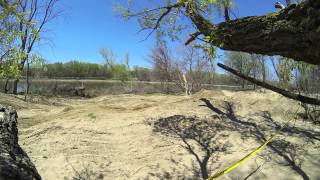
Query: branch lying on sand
x=297, y=97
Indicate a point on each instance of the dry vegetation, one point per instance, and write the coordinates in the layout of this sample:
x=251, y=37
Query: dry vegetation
x=146, y=137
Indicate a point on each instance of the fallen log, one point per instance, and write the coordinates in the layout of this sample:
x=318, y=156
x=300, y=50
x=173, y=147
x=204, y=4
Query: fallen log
x=297, y=97
x=14, y=162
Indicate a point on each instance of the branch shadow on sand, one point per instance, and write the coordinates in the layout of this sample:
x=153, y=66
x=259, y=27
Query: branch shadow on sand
x=290, y=153
x=204, y=139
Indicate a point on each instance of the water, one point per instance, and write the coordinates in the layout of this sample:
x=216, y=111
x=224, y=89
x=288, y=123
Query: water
x=21, y=88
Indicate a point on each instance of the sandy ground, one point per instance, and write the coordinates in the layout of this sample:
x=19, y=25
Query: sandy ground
x=111, y=137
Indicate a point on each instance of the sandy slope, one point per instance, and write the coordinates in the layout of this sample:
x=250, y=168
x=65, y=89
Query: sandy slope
x=110, y=136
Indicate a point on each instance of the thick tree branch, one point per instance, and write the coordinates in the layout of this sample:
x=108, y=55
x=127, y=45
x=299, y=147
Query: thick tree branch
x=45, y=19
x=297, y=97
x=292, y=32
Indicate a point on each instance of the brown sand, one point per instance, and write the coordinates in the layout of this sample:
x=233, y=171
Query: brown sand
x=108, y=136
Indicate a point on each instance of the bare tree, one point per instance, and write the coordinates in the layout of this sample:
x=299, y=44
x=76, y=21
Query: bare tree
x=108, y=56
x=162, y=61
x=191, y=70
x=188, y=70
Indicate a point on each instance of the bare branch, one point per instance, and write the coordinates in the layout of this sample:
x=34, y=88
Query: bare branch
x=45, y=19
x=297, y=97
x=167, y=9
x=165, y=13
x=193, y=36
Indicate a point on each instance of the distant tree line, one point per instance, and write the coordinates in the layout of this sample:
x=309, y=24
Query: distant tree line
x=84, y=70
x=189, y=70
x=80, y=70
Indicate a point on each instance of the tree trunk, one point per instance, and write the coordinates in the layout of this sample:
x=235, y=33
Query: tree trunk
x=6, y=86
x=186, y=85
x=15, y=86
x=292, y=32
x=264, y=74
x=226, y=14
x=167, y=87
x=27, y=82
x=204, y=172
x=14, y=162
x=203, y=167
x=242, y=83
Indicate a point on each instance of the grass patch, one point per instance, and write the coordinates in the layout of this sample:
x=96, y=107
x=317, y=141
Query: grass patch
x=92, y=116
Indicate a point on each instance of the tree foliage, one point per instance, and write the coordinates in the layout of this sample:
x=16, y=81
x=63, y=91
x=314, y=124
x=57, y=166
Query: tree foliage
x=247, y=64
x=22, y=24
x=8, y=35
x=118, y=71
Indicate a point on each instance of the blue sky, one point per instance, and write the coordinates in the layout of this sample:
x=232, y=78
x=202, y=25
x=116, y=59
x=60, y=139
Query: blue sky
x=87, y=26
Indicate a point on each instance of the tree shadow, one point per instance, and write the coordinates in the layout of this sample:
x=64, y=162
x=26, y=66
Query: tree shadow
x=86, y=172
x=179, y=171
x=292, y=130
x=289, y=152
x=204, y=139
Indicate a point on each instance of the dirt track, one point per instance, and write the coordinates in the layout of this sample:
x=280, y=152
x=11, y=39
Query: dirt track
x=111, y=136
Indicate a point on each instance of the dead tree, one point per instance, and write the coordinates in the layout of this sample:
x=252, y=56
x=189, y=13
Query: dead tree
x=189, y=70
x=14, y=162
x=161, y=59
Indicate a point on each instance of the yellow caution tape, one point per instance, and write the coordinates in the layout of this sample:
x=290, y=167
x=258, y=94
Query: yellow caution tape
x=235, y=165
x=248, y=156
